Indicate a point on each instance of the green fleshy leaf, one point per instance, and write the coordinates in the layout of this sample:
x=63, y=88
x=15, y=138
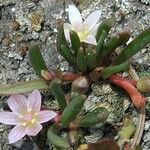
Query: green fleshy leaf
x=81, y=60
x=91, y=58
x=56, y=140
x=93, y=118
x=23, y=87
x=72, y=109
x=106, y=72
x=134, y=47
x=37, y=60
x=61, y=38
x=99, y=47
x=63, y=47
x=66, y=53
x=75, y=42
x=106, y=25
x=58, y=93
x=127, y=131
x=115, y=42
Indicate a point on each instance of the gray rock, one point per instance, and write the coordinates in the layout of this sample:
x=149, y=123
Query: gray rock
x=35, y=35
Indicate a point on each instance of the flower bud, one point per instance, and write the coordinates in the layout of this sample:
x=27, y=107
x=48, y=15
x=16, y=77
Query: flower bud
x=80, y=85
x=143, y=84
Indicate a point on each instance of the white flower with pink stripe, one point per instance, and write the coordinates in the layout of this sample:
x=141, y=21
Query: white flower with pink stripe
x=26, y=115
x=86, y=29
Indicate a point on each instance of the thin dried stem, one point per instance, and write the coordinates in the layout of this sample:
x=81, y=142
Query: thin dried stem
x=140, y=128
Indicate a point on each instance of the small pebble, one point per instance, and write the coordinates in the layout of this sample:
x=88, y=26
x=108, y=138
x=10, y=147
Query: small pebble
x=35, y=35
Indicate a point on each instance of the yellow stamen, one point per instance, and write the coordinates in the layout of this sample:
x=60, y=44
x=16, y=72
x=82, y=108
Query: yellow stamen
x=29, y=109
x=29, y=118
x=33, y=120
x=24, y=124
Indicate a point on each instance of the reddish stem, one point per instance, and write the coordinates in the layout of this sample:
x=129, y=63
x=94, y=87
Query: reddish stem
x=51, y=75
x=70, y=77
x=57, y=118
x=136, y=97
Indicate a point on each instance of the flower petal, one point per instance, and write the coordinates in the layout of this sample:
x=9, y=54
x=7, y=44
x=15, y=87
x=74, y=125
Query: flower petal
x=34, y=101
x=8, y=118
x=92, y=20
x=46, y=115
x=74, y=15
x=17, y=103
x=34, y=130
x=91, y=40
x=67, y=28
x=16, y=134
x=94, y=30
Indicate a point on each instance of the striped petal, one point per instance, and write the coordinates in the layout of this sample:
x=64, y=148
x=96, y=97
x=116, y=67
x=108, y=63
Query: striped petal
x=8, y=118
x=94, y=30
x=34, y=101
x=33, y=130
x=46, y=115
x=92, y=20
x=17, y=103
x=17, y=133
x=90, y=39
x=74, y=15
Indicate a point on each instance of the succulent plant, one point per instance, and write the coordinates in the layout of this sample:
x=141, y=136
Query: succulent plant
x=92, y=61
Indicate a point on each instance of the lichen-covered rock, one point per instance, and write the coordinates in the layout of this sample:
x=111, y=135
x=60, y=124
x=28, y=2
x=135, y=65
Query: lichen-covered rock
x=36, y=18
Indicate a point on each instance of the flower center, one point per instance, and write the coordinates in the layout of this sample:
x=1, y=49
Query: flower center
x=82, y=31
x=29, y=118
x=82, y=35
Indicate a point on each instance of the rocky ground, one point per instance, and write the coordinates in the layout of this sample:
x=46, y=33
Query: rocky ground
x=25, y=21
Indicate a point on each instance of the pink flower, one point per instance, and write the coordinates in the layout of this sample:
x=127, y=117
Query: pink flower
x=26, y=115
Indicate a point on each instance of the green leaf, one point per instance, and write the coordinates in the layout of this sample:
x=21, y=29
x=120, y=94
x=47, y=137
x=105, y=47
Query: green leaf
x=37, y=60
x=127, y=130
x=56, y=140
x=58, y=93
x=63, y=47
x=72, y=109
x=106, y=25
x=23, y=87
x=75, y=42
x=99, y=47
x=93, y=118
x=115, y=42
x=91, y=58
x=106, y=72
x=134, y=47
x=66, y=53
x=81, y=60
x=61, y=38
